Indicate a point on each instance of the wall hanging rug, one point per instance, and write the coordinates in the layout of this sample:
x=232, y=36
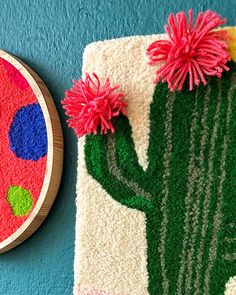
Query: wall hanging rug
x=156, y=206
x=31, y=151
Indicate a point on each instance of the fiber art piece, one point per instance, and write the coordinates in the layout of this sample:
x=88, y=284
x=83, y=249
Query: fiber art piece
x=31, y=151
x=156, y=190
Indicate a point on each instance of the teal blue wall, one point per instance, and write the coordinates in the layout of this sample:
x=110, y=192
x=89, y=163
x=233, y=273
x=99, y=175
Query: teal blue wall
x=50, y=37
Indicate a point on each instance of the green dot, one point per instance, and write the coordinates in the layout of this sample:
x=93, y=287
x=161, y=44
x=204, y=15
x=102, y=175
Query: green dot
x=20, y=200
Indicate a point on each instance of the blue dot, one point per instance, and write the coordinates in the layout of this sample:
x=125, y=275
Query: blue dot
x=28, y=134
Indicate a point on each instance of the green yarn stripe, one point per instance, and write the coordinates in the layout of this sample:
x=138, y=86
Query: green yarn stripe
x=188, y=190
x=198, y=137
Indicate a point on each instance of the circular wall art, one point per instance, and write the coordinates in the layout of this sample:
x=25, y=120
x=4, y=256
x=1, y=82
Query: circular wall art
x=31, y=151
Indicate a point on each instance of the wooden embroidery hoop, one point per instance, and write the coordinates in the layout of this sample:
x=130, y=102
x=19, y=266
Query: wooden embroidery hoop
x=54, y=157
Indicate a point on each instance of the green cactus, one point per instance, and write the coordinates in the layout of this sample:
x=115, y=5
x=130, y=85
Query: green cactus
x=188, y=190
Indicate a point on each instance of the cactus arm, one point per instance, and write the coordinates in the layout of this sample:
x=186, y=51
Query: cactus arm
x=126, y=155
x=102, y=165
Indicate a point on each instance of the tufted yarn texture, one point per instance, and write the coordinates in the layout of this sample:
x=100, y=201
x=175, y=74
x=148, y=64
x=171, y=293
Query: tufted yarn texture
x=92, y=292
x=23, y=149
x=156, y=214
x=20, y=200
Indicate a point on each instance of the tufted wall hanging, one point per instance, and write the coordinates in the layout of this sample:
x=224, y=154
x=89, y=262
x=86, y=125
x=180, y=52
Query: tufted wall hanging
x=31, y=150
x=156, y=205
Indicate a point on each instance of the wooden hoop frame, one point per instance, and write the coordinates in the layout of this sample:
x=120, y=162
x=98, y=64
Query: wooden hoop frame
x=54, y=157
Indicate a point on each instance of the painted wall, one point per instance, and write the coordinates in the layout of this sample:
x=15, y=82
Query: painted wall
x=50, y=37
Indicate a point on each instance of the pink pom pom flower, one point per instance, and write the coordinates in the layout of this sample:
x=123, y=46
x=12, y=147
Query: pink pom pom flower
x=192, y=51
x=91, y=105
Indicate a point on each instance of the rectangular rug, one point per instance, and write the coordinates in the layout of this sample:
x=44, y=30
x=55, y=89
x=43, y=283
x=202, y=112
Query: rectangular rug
x=156, y=199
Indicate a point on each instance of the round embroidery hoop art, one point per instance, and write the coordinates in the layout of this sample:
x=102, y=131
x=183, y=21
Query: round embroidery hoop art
x=54, y=156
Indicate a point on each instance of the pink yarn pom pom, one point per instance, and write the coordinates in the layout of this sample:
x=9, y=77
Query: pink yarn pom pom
x=192, y=52
x=91, y=105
